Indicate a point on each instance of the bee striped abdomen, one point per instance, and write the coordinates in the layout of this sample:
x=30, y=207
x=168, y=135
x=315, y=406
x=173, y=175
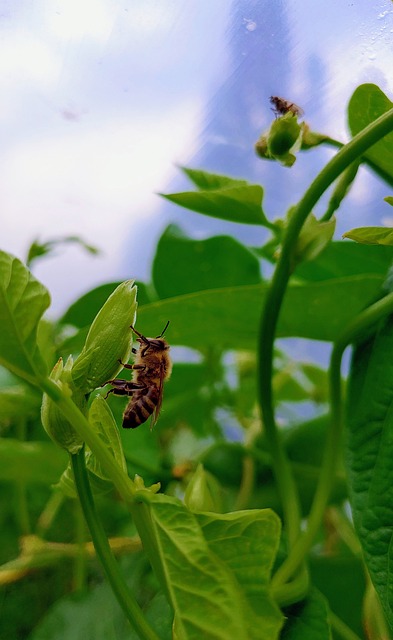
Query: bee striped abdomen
x=141, y=407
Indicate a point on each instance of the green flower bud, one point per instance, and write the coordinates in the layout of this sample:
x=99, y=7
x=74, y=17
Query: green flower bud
x=109, y=339
x=55, y=424
x=203, y=492
x=282, y=140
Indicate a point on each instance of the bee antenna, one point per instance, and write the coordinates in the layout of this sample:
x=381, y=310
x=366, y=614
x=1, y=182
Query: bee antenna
x=139, y=335
x=164, y=329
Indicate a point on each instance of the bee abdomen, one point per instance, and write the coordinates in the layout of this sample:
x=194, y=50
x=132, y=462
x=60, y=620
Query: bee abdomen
x=140, y=408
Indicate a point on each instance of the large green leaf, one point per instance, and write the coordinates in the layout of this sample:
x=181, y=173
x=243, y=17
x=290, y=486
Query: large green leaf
x=222, y=197
x=183, y=265
x=31, y=462
x=367, y=103
x=211, y=595
x=370, y=456
x=23, y=300
x=341, y=259
x=229, y=318
x=247, y=542
x=308, y=620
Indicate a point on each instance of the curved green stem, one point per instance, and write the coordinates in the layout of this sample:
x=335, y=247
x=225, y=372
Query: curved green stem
x=355, y=330
x=104, y=552
x=275, y=294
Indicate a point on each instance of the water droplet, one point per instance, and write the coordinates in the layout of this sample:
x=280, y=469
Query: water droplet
x=250, y=24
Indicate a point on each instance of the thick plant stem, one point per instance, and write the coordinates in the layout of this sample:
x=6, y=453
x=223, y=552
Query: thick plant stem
x=104, y=552
x=344, y=157
x=354, y=331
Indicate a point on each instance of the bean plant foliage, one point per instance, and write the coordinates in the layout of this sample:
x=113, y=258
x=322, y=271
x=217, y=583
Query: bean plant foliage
x=260, y=505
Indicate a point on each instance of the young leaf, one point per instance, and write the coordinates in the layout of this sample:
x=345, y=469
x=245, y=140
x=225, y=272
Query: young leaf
x=23, y=300
x=236, y=203
x=371, y=235
x=370, y=454
x=201, y=587
x=182, y=264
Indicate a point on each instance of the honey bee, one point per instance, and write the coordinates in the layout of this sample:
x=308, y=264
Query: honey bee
x=152, y=367
x=282, y=106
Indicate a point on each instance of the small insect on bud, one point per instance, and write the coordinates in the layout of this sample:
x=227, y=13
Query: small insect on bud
x=282, y=106
x=151, y=368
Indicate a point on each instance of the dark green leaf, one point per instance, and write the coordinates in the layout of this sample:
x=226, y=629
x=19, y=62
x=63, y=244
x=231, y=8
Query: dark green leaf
x=236, y=203
x=31, y=462
x=23, y=300
x=18, y=402
x=370, y=456
x=183, y=265
x=342, y=581
x=308, y=620
x=229, y=318
x=371, y=235
x=367, y=103
x=341, y=259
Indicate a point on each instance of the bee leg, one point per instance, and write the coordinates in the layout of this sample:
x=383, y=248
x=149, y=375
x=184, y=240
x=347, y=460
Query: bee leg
x=131, y=366
x=123, y=387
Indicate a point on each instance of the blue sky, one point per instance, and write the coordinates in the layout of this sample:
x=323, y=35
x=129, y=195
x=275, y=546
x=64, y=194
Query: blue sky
x=101, y=99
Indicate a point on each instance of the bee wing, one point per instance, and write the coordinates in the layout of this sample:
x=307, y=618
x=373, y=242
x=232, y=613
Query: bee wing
x=160, y=391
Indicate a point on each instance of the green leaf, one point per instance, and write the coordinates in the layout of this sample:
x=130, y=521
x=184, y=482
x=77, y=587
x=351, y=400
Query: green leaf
x=18, y=401
x=371, y=235
x=23, y=300
x=229, y=318
x=341, y=259
x=183, y=265
x=201, y=587
x=39, y=249
x=308, y=620
x=247, y=542
x=389, y=200
x=367, y=103
x=30, y=462
x=370, y=456
x=236, y=201
x=340, y=577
